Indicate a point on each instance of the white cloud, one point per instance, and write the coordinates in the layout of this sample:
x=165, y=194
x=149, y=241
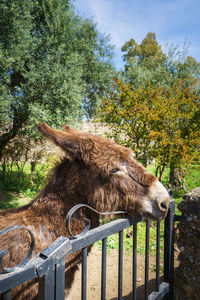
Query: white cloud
x=171, y=20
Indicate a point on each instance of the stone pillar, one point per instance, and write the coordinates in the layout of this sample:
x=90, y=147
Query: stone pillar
x=187, y=275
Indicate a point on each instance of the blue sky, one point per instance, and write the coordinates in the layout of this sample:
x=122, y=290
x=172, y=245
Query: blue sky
x=173, y=21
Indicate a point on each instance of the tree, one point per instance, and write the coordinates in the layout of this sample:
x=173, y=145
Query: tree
x=124, y=111
x=156, y=123
x=54, y=66
x=146, y=62
x=147, y=54
x=143, y=62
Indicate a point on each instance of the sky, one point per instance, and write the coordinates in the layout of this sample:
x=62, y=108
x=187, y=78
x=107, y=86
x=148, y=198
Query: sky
x=174, y=22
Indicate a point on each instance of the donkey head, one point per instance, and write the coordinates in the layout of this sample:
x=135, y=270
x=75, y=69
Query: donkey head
x=106, y=174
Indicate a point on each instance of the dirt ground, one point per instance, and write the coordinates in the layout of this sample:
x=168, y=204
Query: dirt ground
x=94, y=276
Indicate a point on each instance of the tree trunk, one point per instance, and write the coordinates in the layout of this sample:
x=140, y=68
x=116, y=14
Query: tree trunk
x=174, y=178
x=159, y=172
x=20, y=117
x=33, y=164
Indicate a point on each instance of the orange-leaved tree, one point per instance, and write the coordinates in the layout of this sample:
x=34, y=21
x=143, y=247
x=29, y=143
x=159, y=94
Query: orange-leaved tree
x=157, y=123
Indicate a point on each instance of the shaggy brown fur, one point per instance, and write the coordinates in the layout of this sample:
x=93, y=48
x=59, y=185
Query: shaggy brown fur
x=95, y=171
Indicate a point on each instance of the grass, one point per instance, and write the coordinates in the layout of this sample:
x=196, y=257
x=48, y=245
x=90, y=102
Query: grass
x=19, y=189
x=12, y=200
x=113, y=240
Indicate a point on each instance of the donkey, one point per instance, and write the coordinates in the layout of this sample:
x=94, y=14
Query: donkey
x=94, y=171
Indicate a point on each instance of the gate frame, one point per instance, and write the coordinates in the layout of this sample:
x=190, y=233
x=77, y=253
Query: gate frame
x=49, y=265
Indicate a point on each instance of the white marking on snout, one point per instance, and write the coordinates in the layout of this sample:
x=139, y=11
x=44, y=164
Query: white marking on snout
x=148, y=208
x=158, y=191
x=158, y=194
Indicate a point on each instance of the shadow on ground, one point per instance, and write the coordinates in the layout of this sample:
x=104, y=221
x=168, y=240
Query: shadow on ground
x=94, y=277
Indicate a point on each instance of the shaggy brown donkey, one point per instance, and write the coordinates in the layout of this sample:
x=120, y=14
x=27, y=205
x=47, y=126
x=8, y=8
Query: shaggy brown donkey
x=94, y=171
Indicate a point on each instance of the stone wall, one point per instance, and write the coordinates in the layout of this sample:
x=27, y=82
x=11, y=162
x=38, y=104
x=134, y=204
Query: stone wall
x=96, y=128
x=187, y=275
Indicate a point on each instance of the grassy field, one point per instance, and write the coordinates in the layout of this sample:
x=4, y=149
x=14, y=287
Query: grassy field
x=18, y=189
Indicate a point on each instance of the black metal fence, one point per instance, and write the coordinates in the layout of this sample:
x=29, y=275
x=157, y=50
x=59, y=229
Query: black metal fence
x=49, y=265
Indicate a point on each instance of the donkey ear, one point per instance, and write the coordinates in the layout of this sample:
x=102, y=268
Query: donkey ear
x=50, y=133
x=69, y=140
x=60, y=138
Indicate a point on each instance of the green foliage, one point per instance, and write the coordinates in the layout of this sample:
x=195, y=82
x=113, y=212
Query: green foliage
x=157, y=123
x=20, y=183
x=54, y=66
x=23, y=180
x=13, y=200
x=166, y=116
x=146, y=62
x=147, y=54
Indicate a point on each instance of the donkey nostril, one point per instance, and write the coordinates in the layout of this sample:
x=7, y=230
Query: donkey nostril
x=163, y=205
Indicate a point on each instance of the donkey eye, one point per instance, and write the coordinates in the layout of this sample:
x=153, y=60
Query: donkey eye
x=115, y=170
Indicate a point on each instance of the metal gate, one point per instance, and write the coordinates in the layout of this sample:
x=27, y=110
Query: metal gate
x=49, y=265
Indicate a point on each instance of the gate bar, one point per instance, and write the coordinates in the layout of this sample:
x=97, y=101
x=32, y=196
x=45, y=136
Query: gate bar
x=99, y=233
x=46, y=286
x=158, y=256
x=60, y=280
x=169, y=250
x=120, y=264
x=7, y=295
x=103, y=272
x=84, y=274
x=134, y=260
x=147, y=261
